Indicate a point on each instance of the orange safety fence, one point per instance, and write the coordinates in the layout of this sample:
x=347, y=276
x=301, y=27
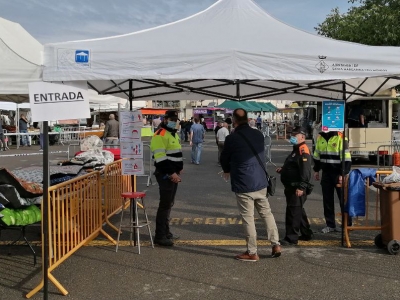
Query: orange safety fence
x=74, y=219
x=114, y=184
x=372, y=219
x=77, y=211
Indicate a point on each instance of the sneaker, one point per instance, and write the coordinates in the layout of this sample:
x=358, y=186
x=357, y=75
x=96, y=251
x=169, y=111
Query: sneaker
x=328, y=229
x=248, y=257
x=40, y=149
x=163, y=242
x=276, y=251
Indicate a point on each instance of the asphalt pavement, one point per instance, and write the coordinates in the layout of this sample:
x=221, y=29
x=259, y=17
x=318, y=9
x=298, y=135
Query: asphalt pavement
x=201, y=264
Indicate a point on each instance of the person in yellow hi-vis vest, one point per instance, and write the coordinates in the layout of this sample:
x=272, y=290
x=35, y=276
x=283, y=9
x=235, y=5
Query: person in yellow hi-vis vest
x=328, y=158
x=167, y=153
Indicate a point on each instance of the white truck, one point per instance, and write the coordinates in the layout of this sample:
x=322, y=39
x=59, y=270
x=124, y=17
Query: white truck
x=364, y=142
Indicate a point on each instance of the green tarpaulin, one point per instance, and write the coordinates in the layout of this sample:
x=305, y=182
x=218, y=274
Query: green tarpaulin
x=250, y=106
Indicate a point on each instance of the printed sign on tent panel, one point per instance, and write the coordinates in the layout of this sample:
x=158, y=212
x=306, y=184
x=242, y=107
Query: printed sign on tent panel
x=132, y=167
x=130, y=124
x=333, y=115
x=132, y=149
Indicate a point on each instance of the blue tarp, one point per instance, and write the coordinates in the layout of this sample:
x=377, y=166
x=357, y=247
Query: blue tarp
x=356, y=190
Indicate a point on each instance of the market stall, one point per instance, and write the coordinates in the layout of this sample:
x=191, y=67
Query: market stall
x=208, y=115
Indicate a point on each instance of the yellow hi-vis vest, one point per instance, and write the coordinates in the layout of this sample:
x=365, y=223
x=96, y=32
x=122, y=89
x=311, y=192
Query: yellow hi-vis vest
x=330, y=152
x=167, y=151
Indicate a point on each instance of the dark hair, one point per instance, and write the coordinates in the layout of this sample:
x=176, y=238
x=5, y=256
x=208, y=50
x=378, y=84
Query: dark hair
x=240, y=116
x=196, y=120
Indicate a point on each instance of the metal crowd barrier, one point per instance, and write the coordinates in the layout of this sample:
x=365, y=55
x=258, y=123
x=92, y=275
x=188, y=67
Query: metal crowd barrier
x=74, y=218
x=281, y=131
x=267, y=145
x=114, y=184
x=77, y=211
x=372, y=220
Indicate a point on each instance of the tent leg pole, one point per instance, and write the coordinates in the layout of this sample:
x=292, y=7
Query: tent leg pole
x=343, y=162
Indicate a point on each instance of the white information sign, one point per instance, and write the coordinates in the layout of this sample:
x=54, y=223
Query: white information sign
x=130, y=134
x=131, y=126
x=131, y=145
x=131, y=118
x=132, y=167
x=132, y=149
x=54, y=101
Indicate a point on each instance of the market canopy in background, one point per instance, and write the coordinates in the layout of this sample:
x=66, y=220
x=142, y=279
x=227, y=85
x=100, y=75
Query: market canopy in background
x=214, y=55
x=20, y=62
x=13, y=106
x=250, y=106
x=264, y=106
x=229, y=104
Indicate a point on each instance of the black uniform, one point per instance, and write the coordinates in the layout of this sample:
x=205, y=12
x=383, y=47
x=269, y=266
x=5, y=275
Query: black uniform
x=296, y=174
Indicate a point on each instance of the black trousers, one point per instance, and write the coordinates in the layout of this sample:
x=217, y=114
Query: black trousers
x=296, y=221
x=167, y=198
x=328, y=184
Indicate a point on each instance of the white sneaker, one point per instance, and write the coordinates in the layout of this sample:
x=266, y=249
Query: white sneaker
x=328, y=229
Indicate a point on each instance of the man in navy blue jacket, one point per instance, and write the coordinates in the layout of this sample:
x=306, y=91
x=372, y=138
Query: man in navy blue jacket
x=249, y=182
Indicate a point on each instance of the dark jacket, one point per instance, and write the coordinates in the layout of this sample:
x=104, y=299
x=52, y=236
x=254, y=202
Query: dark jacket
x=296, y=171
x=238, y=159
x=111, y=129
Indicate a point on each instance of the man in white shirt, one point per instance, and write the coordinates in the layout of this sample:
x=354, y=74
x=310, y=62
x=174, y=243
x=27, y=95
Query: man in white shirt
x=221, y=135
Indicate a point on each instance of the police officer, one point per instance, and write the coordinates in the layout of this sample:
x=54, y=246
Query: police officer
x=295, y=176
x=328, y=158
x=167, y=153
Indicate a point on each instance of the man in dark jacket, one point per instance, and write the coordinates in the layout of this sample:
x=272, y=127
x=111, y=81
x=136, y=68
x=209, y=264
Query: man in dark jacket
x=111, y=132
x=295, y=176
x=249, y=182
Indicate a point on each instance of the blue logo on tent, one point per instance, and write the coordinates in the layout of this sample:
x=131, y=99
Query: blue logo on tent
x=82, y=56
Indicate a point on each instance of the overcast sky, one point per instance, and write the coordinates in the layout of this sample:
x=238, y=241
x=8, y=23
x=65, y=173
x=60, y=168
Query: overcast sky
x=65, y=20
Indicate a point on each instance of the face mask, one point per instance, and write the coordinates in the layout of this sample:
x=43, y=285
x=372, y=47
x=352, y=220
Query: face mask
x=293, y=140
x=171, y=124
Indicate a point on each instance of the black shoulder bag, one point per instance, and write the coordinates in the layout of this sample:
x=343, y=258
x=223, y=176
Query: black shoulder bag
x=271, y=179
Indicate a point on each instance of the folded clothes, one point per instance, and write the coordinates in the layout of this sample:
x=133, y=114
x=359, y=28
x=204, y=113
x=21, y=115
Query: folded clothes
x=25, y=189
x=35, y=174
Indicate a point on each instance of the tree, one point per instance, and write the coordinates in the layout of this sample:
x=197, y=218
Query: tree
x=372, y=22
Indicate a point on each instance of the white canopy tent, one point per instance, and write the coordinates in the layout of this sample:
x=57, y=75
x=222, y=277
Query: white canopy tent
x=20, y=61
x=232, y=50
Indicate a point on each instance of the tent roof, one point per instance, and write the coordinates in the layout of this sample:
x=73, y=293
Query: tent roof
x=264, y=106
x=232, y=50
x=20, y=61
x=247, y=105
x=229, y=104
